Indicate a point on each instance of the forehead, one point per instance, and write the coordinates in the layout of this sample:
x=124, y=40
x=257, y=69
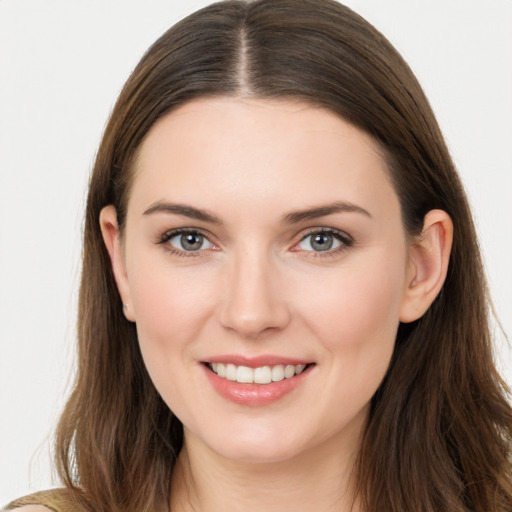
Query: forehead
x=258, y=149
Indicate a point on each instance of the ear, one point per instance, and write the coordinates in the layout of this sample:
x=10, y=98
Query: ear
x=429, y=255
x=111, y=237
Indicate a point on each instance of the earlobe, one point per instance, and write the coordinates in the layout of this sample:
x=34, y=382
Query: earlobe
x=429, y=255
x=111, y=238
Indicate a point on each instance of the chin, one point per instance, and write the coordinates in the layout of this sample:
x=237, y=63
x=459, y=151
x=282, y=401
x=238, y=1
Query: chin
x=260, y=454
x=259, y=445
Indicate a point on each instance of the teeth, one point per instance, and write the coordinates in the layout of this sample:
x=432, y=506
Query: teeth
x=220, y=370
x=260, y=375
x=278, y=373
x=263, y=375
x=299, y=368
x=231, y=372
x=289, y=371
x=244, y=374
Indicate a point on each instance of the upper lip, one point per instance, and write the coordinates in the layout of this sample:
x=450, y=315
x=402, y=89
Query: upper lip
x=256, y=361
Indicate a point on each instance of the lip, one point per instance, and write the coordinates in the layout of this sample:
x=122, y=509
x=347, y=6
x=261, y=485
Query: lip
x=257, y=361
x=255, y=395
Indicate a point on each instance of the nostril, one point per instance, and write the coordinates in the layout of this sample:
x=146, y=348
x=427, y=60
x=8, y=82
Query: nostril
x=252, y=326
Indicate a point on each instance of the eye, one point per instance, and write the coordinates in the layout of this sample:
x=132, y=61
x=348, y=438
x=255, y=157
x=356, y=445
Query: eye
x=187, y=241
x=324, y=241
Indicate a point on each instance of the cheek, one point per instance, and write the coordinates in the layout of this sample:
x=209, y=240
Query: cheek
x=170, y=307
x=358, y=297
x=357, y=326
x=355, y=314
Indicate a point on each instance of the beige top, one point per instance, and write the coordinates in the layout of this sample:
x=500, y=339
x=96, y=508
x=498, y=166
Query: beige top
x=57, y=500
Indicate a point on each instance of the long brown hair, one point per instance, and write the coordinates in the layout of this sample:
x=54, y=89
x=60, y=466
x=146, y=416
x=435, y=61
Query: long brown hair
x=439, y=436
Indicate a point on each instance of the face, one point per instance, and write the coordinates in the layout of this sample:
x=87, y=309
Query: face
x=265, y=264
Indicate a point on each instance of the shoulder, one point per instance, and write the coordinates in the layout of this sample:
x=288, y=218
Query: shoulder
x=31, y=508
x=54, y=500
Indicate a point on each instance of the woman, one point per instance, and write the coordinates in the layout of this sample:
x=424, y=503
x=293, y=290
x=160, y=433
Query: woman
x=282, y=299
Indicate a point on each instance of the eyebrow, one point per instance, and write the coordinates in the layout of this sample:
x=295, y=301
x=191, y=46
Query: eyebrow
x=290, y=218
x=183, y=209
x=322, y=210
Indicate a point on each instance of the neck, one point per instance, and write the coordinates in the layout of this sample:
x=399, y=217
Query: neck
x=318, y=480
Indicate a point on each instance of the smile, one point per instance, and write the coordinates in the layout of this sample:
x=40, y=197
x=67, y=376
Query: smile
x=256, y=381
x=259, y=375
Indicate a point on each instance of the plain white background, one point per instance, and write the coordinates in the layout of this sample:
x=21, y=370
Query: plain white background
x=62, y=64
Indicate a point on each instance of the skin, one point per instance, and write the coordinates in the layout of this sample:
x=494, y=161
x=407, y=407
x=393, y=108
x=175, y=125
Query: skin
x=257, y=286
x=33, y=508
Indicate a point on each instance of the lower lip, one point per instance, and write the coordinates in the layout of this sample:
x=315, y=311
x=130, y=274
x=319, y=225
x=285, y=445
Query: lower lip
x=254, y=395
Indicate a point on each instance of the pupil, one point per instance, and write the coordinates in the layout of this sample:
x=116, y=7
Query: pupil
x=191, y=242
x=322, y=242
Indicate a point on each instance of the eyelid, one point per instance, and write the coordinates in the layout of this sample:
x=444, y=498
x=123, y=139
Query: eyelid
x=346, y=241
x=168, y=235
x=343, y=237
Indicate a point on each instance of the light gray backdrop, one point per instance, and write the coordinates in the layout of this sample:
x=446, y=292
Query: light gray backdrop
x=62, y=64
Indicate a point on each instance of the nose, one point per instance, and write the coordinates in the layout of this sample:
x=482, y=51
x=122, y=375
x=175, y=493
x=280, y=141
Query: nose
x=254, y=302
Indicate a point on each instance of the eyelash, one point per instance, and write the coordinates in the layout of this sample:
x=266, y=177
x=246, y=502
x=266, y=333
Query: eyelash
x=346, y=241
x=166, y=237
